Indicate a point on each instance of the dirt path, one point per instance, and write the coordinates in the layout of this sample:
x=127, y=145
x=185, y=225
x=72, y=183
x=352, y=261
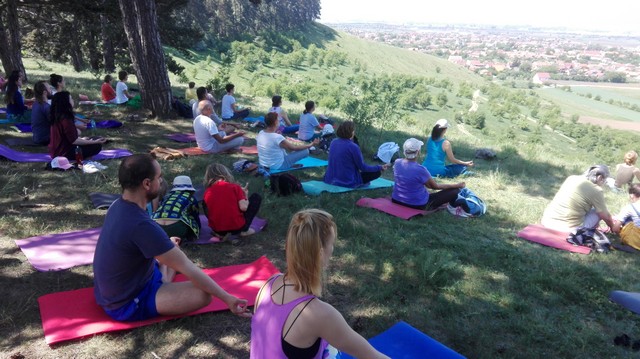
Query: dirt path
x=620, y=125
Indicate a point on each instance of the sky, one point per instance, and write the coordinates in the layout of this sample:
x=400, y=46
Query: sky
x=611, y=15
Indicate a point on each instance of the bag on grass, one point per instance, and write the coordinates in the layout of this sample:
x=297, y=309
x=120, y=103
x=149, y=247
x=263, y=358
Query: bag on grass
x=325, y=141
x=468, y=204
x=285, y=184
x=590, y=237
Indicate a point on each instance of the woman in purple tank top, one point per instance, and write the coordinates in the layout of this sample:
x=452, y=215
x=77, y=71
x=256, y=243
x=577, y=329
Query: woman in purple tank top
x=289, y=320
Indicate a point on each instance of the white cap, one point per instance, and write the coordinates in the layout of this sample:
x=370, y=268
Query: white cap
x=61, y=162
x=182, y=183
x=411, y=147
x=442, y=123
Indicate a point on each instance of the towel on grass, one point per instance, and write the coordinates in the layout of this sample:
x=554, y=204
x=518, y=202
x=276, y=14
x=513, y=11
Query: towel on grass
x=314, y=188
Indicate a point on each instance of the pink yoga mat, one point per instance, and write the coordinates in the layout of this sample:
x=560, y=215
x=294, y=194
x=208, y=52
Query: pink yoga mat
x=75, y=314
x=206, y=234
x=18, y=156
x=54, y=252
x=385, y=205
x=551, y=238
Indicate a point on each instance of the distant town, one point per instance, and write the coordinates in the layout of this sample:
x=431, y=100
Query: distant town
x=537, y=55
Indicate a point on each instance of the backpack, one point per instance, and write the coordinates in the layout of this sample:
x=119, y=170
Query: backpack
x=325, y=141
x=468, y=204
x=284, y=184
x=590, y=237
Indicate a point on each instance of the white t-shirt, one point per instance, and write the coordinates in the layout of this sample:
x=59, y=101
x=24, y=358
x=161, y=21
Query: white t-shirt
x=308, y=124
x=204, y=129
x=278, y=110
x=121, y=87
x=270, y=154
x=196, y=113
x=227, y=110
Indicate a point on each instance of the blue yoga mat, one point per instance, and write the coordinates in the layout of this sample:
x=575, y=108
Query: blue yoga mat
x=629, y=300
x=254, y=119
x=314, y=188
x=306, y=162
x=403, y=341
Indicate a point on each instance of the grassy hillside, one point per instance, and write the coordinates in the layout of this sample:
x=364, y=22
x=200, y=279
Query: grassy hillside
x=470, y=284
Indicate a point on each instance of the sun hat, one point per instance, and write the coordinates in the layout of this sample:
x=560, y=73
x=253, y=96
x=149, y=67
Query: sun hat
x=411, y=147
x=61, y=162
x=182, y=183
x=442, y=123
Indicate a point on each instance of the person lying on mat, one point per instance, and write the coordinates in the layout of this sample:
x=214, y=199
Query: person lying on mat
x=272, y=146
x=209, y=137
x=64, y=136
x=285, y=125
x=178, y=214
x=229, y=207
x=203, y=95
x=579, y=202
x=230, y=110
x=128, y=281
x=346, y=165
x=412, y=181
x=439, y=148
x=290, y=320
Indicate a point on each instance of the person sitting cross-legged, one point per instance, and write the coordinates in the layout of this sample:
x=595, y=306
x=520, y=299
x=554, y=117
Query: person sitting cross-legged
x=135, y=260
x=272, y=146
x=209, y=137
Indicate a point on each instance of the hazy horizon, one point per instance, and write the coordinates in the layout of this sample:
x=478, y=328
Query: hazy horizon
x=617, y=17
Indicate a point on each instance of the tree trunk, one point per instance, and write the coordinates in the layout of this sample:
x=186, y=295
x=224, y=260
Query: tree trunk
x=75, y=51
x=10, y=47
x=141, y=26
x=91, y=33
x=107, y=46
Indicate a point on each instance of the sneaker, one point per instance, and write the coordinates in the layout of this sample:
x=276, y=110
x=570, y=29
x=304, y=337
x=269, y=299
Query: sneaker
x=312, y=148
x=248, y=232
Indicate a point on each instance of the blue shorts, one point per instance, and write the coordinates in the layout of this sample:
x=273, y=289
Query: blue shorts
x=143, y=306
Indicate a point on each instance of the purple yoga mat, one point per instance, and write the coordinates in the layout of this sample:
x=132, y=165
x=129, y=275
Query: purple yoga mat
x=206, y=234
x=108, y=124
x=17, y=156
x=54, y=252
x=182, y=137
x=23, y=127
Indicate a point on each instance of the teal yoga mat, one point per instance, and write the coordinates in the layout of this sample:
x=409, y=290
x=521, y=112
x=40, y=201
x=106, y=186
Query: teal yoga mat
x=314, y=188
x=306, y=162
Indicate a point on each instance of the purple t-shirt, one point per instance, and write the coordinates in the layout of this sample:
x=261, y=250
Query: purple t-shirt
x=410, y=178
x=124, y=259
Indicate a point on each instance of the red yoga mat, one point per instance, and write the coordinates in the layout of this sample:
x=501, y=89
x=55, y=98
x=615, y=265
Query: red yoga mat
x=74, y=314
x=551, y=238
x=385, y=205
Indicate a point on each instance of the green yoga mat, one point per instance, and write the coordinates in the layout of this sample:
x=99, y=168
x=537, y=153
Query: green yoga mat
x=314, y=188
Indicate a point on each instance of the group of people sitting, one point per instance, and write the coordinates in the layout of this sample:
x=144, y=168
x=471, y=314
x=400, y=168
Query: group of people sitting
x=136, y=259
x=121, y=93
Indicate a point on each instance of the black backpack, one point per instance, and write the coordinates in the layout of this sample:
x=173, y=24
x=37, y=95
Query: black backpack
x=285, y=184
x=325, y=141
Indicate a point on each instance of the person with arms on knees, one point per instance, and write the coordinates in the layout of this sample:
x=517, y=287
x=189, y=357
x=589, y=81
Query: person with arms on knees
x=273, y=147
x=439, y=148
x=122, y=90
x=106, y=91
x=625, y=172
x=412, y=181
x=230, y=110
x=57, y=84
x=128, y=282
x=203, y=95
x=308, y=123
x=64, y=136
x=579, y=202
x=290, y=320
x=285, y=125
x=16, y=109
x=229, y=207
x=209, y=137
x=346, y=165
x=190, y=93
x=41, y=114
x=178, y=213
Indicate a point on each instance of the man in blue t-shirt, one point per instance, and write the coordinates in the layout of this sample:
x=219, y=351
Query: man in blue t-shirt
x=135, y=261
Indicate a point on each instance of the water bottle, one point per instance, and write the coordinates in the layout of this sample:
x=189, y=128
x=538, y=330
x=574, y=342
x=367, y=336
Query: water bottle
x=92, y=124
x=79, y=157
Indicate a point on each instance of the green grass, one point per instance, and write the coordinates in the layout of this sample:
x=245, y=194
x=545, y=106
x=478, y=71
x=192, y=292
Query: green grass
x=470, y=284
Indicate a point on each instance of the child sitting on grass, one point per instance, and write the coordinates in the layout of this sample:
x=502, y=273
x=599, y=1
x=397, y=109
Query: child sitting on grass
x=178, y=214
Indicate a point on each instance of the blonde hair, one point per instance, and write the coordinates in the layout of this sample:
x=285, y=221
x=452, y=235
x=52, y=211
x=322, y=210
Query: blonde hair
x=630, y=158
x=309, y=233
x=215, y=172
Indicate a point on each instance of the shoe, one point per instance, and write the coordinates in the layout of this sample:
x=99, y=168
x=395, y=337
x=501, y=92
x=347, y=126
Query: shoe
x=248, y=232
x=312, y=148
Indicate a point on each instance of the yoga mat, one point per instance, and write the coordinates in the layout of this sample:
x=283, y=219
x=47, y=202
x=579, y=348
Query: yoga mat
x=387, y=206
x=108, y=124
x=18, y=156
x=196, y=151
x=306, y=162
x=206, y=233
x=548, y=237
x=182, y=137
x=23, y=127
x=254, y=119
x=314, y=188
x=54, y=252
x=75, y=314
x=103, y=200
x=629, y=300
x=402, y=341
x=20, y=141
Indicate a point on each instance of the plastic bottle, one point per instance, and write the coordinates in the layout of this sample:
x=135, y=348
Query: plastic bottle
x=79, y=157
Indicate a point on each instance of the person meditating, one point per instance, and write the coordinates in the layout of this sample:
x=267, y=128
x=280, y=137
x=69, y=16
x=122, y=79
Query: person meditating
x=208, y=137
x=285, y=124
x=412, y=181
x=41, y=115
x=122, y=90
x=273, y=147
x=627, y=171
x=129, y=283
x=230, y=110
x=346, y=165
x=438, y=147
x=290, y=320
x=579, y=202
x=308, y=123
x=107, y=92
